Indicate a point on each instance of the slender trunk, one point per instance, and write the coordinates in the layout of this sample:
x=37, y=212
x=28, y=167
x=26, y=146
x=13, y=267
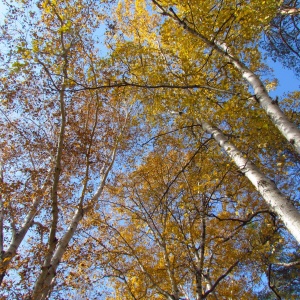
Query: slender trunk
x=52, y=240
x=280, y=204
x=47, y=276
x=288, y=129
x=200, y=257
x=170, y=271
x=17, y=238
x=198, y=276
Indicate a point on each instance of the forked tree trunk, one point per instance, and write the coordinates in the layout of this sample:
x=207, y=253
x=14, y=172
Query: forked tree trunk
x=45, y=281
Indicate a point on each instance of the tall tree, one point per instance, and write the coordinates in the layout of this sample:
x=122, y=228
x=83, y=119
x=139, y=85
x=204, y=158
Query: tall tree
x=282, y=35
x=58, y=147
x=177, y=235
x=207, y=46
x=220, y=32
x=107, y=174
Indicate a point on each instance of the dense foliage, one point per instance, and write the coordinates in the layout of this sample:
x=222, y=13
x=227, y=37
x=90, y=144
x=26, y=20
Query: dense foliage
x=142, y=156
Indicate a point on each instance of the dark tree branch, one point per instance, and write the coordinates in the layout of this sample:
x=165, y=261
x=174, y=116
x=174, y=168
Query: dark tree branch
x=271, y=285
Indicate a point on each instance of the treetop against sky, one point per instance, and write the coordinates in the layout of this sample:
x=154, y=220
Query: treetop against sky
x=142, y=156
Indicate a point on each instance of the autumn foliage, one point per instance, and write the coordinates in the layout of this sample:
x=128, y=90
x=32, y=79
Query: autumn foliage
x=142, y=156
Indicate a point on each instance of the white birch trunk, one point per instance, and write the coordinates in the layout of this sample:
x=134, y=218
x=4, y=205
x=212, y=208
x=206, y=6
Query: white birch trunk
x=46, y=278
x=288, y=129
x=18, y=237
x=280, y=204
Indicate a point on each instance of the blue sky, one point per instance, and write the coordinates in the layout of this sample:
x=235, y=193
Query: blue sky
x=287, y=80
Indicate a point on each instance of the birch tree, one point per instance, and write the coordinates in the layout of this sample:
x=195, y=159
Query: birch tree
x=288, y=129
x=58, y=147
x=219, y=32
x=282, y=35
x=210, y=41
x=280, y=204
x=110, y=173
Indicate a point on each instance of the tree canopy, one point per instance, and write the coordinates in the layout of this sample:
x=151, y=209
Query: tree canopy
x=142, y=156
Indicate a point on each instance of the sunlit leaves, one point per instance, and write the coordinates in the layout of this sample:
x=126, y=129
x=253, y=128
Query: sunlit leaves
x=176, y=216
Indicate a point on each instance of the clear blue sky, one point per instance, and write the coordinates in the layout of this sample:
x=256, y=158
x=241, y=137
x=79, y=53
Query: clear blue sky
x=287, y=80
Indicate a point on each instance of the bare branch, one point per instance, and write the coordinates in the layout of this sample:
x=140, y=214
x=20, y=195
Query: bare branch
x=228, y=271
x=271, y=285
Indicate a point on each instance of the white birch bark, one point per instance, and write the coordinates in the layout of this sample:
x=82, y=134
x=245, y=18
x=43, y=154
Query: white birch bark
x=278, y=203
x=46, y=278
x=290, y=11
x=18, y=236
x=288, y=129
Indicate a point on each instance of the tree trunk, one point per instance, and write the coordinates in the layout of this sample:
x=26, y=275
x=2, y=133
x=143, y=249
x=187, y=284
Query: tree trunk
x=280, y=204
x=46, y=278
x=288, y=129
x=17, y=238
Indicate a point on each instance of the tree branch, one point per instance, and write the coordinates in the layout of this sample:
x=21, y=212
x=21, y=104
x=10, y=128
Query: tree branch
x=272, y=286
x=220, y=278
